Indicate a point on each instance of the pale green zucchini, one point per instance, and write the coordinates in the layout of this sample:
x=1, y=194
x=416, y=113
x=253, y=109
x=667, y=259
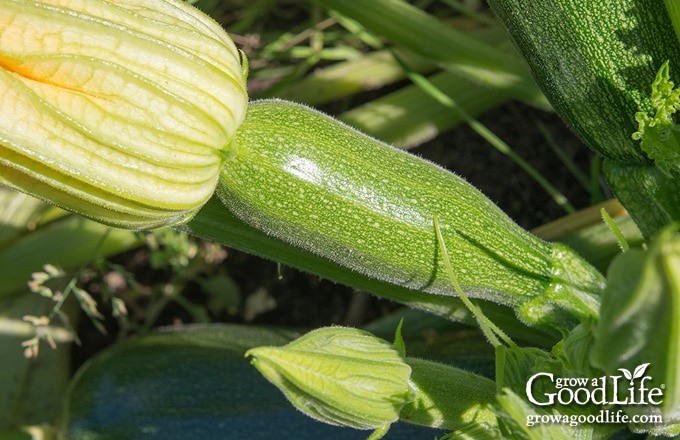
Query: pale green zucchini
x=316, y=183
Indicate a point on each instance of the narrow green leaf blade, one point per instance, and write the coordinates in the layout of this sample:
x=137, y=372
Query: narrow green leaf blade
x=456, y=51
x=68, y=243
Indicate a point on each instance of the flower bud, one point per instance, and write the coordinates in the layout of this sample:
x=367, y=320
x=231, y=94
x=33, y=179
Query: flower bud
x=119, y=111
x=341, y=376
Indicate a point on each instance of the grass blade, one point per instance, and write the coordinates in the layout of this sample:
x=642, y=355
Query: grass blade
x=490, y=137
x=410, y=116
x=456, y=51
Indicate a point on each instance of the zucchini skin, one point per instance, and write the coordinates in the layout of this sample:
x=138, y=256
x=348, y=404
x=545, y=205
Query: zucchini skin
x=595, y=62
x=316, y=183
x=654, y=195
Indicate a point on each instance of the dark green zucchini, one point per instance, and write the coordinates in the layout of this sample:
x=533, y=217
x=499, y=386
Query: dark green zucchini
x=192, y=383
x=595, y=61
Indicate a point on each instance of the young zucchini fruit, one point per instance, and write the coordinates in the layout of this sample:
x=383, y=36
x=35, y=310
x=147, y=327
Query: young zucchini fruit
x=316, y=183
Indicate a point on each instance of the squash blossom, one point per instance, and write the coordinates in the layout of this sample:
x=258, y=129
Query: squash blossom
x=121, y=111
x=341, y=376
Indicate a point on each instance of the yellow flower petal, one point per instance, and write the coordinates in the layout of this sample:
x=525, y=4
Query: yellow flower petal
x=122, y=112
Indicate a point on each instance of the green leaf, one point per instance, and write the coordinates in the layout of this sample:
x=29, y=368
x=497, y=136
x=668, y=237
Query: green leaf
x=518, y=368
x=573, y=351
x=515, y=365
x=659, y=135
x=640, y=324
x=673, y=8
x=517, y=421
x=18, y=214
x=69, y=243
x=349, y=77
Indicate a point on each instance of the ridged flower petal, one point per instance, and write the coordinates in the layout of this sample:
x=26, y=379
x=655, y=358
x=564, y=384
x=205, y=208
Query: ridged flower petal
x=120, y=111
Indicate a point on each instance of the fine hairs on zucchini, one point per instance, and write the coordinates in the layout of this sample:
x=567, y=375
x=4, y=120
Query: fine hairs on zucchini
x=314, y=182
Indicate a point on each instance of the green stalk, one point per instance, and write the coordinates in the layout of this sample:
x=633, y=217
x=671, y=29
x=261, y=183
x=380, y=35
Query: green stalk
x=450, y=398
